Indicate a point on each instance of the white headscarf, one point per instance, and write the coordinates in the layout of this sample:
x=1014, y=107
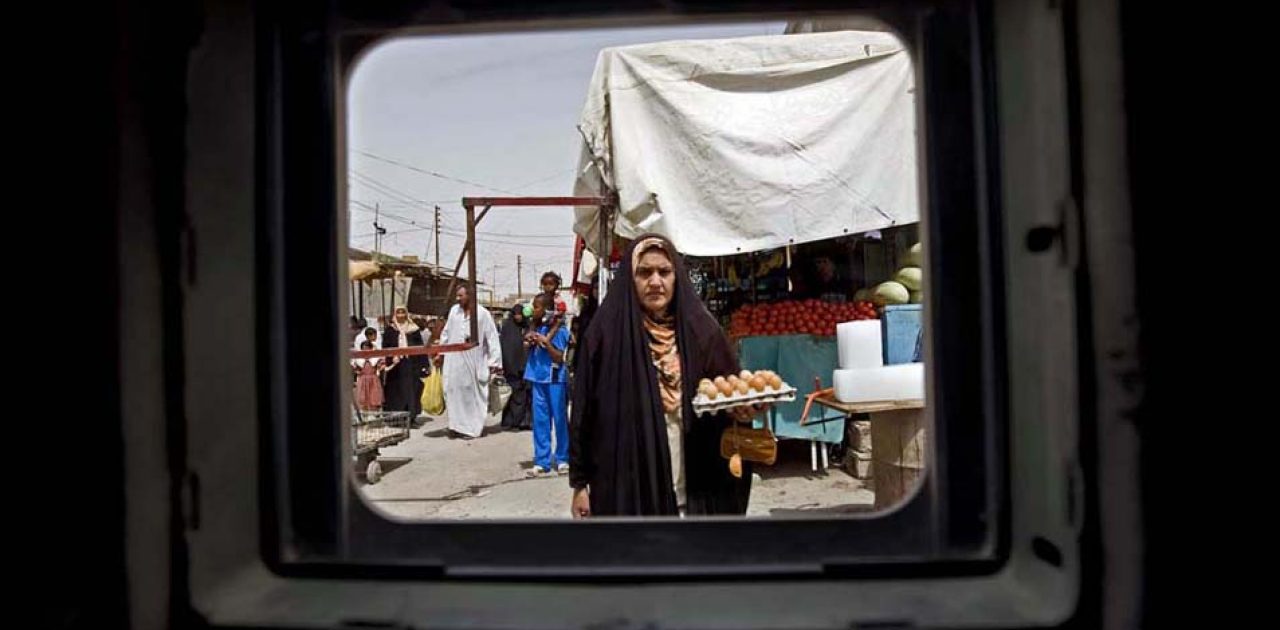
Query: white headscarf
x=360, y=338
x=406, y=328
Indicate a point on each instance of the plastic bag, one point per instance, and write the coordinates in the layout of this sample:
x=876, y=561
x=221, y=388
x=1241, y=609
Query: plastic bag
x=433, y=394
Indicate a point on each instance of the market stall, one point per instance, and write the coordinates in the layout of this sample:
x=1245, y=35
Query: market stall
x=795, y=201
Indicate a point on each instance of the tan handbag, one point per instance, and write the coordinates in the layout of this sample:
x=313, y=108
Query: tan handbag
x=753, y=445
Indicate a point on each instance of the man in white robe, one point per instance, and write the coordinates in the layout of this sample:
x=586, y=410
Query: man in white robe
x=467, y=374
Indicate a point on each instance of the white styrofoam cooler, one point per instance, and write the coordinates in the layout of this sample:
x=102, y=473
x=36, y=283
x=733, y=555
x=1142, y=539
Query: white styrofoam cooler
x=859, y=345
x=875, y=384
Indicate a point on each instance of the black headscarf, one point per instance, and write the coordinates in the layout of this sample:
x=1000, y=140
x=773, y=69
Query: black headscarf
x=512, y=341
x=618, y=439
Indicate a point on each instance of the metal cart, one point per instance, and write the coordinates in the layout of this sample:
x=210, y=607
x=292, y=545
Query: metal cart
x=371, y=431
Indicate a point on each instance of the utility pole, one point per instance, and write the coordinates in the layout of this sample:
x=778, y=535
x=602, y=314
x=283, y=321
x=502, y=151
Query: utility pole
x=519, y=278
x=378, y=232
x=437, y=231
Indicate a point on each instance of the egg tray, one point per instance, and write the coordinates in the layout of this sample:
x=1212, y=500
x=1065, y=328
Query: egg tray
x=702, y=405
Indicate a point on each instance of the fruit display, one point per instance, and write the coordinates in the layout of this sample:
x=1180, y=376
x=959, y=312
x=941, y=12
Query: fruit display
x=907, y=285
x=797, y=317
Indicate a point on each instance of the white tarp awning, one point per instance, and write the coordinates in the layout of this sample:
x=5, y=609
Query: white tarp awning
x=736, y=145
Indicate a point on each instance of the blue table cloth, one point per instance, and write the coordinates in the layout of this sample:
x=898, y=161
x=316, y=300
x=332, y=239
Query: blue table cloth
x=797, y=359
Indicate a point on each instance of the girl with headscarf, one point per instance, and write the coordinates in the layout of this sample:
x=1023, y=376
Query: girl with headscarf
x=517, y=415
x=369, y=334
x=404, y=378
x=369, y=391
x=636, y=447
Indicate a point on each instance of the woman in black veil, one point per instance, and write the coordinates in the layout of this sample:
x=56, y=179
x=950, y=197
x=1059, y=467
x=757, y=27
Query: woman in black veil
x=636, y=447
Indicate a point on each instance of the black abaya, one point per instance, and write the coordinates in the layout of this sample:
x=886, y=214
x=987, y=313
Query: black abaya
x=618, y=439
x=518, y=414
x=403, y=391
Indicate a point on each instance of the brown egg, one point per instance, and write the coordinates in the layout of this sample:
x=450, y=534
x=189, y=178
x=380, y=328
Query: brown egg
x=725, y=389
x=704, y=382
x=745, y=375
x=719, y=381
x=741, y=387
x=708, y=390
x=775, y=381
x=757, y=383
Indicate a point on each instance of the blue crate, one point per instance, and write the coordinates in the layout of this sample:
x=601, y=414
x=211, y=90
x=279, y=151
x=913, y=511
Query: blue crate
x=900, y=330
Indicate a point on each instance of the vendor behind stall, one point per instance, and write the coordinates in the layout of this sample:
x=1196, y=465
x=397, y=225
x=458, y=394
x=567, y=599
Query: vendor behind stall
x=822, y=275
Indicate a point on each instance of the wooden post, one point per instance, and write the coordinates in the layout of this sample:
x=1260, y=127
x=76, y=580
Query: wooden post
x=897, y=454
x=471, y=272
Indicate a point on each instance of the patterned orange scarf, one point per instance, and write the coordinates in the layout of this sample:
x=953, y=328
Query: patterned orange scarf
x=666, y=358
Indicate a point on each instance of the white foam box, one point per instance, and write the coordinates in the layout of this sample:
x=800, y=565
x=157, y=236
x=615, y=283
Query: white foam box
x=859, y=345
x=876, y=384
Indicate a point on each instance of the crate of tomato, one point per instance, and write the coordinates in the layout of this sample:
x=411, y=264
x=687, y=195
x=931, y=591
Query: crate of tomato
x=797, y=317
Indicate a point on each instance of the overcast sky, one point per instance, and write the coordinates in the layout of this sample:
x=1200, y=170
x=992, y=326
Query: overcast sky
x=488, y=115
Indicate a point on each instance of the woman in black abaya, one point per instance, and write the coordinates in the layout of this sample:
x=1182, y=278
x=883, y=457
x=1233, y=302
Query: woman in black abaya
x=518, y=414
x=636, y=448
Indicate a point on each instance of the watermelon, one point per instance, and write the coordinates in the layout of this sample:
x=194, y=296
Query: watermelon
x=890, y=293
x=915, y=256
x=910, y=277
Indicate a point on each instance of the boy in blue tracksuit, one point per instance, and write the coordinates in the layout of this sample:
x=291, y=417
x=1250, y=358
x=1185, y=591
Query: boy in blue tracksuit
x=549, y=379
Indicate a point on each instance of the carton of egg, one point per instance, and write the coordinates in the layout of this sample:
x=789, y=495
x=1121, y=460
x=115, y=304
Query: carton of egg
x=743, y=388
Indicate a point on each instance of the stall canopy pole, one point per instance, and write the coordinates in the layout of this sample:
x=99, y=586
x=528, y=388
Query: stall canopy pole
x=606, y=250
x=471, y=271
x=789, y=287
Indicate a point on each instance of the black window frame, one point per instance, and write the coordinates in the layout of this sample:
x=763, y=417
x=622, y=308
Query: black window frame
x=314, y=524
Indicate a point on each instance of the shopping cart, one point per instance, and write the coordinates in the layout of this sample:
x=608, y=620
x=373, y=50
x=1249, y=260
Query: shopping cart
x=374, y=430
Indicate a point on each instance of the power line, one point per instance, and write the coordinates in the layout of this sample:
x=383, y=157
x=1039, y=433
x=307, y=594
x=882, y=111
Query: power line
x=386, y=189
x=432, y=173
x=394, y=217
x=559, y=173
x=567, y=245
x=365, y=207
x=405, y=231
x=480, y=239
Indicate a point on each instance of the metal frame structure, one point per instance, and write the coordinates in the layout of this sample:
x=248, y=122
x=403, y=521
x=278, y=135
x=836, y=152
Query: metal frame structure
x=468, y=254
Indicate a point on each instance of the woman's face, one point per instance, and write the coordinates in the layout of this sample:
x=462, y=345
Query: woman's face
x=370, y=334
x=401, y=315
x=655, y=281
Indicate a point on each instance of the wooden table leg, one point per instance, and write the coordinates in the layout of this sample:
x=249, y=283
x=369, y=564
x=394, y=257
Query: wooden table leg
x=897, y=454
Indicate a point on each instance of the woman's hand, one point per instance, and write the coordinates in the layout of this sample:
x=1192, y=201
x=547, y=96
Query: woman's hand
x=748, y=412
x=581, y=507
